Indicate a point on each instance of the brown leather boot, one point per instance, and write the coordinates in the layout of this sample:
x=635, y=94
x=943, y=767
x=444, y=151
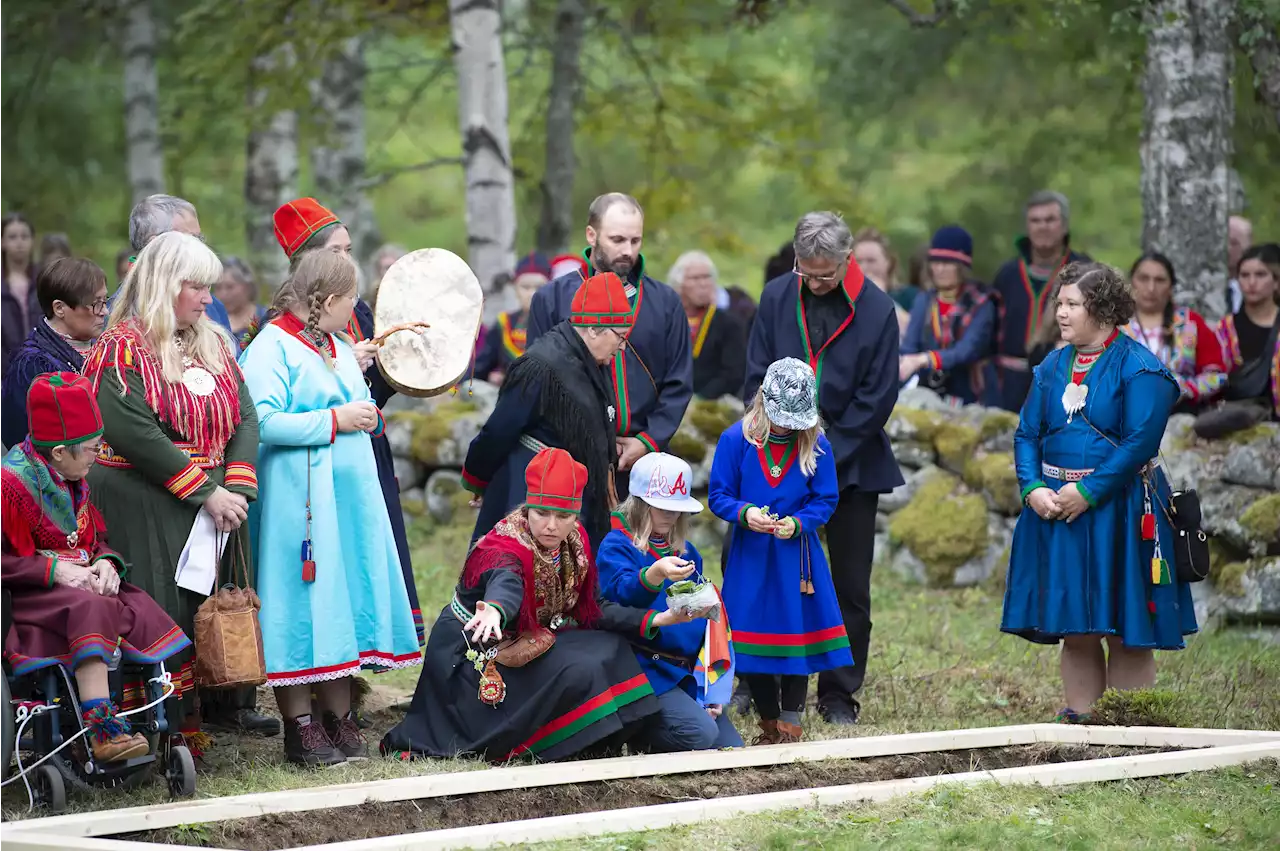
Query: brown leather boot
x=769, y=734
x=110, y=736
x=789, y=733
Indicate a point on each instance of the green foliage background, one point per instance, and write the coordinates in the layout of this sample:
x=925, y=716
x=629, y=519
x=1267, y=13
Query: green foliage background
x=726, y=130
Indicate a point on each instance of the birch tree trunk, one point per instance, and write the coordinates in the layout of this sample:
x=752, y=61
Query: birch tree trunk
x=271, y=168
x=142, y=103
x=556, y=222
x=338, y=157
x=1186, y=146
x=486, y=146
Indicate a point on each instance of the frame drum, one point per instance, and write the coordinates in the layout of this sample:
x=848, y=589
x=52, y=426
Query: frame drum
x=435, y=287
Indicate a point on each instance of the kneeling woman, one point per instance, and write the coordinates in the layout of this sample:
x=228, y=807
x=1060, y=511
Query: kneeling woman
x=531, y=579
x=1092, y=554
x=70, y=606
x=639, y=559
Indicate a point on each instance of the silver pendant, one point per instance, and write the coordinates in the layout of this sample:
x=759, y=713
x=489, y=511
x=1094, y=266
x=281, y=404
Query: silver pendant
x=199, y=381
x=1073, y=398
x=775, y=471
x=72, y=540
x=612, y=413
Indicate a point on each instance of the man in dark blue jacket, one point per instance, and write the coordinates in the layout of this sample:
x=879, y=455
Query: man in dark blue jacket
x=825, y=312
x=652, y=376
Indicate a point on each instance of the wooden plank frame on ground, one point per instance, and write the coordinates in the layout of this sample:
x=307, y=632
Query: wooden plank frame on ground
x=1207, y=749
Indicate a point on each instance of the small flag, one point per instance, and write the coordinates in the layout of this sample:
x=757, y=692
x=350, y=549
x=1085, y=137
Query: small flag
x=1148, y=527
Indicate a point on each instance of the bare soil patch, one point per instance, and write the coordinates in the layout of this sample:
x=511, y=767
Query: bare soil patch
x=293, y=830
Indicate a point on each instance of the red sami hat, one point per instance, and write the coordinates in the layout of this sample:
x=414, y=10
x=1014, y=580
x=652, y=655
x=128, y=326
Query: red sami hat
x=62, y=410
x=563, y=264
x=297, y=221
x=601, y=300
x=554, y=481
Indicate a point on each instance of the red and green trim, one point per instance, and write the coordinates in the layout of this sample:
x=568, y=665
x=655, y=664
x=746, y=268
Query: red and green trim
x=620, y=391
x=502, y=613
x=596, y=709
x=618, y=523
x=851, y=286
x=767, y=462
x=799, y=528
x=784, y=645
x=644, y=580
x=1036, y=302
x=471, y=483
x=647, y=629
x=649, y=442
x=50, y=569
x=742, y=513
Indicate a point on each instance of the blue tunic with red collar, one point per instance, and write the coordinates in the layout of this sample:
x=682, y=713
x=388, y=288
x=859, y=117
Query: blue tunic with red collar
x=959, y=339
x=653, y=376
x=857, y=369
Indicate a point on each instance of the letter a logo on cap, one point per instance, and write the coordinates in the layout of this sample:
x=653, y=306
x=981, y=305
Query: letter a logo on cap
x=680, y=487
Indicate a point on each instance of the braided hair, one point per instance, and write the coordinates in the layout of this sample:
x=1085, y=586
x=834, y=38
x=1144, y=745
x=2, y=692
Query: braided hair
x=1167, y=320
x=318, y=274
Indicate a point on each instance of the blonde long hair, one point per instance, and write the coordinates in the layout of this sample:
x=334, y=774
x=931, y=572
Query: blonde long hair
x=638, y=515
x=317, y=274
x=756, y=425
x=148, y=295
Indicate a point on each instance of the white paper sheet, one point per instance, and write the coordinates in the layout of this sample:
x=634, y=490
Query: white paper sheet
x=198, y=564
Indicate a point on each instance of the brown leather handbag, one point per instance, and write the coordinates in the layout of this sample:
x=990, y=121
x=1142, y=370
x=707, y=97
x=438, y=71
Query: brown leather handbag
x=524, y=648
x=228, y=636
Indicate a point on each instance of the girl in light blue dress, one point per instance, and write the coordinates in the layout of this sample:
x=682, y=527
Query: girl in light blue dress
x=333, y=595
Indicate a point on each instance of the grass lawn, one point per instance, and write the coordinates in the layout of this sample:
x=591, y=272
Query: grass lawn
x=938, y=662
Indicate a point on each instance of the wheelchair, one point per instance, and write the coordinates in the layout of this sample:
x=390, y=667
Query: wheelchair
x=73, y=767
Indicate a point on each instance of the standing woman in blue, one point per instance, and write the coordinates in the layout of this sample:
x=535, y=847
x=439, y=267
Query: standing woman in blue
x=645, y=551
x=774, y=476
x=333, y=595
x=1092, y=554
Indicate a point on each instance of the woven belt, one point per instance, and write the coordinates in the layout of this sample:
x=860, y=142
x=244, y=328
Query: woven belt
x=1062, y=474
x=108, y=457
x=532, y=443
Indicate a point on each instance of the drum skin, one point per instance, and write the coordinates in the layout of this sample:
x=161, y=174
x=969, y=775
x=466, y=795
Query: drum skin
x=435, y=286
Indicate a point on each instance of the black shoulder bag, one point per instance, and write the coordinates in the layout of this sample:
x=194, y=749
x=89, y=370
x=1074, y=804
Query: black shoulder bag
x=1250, y=380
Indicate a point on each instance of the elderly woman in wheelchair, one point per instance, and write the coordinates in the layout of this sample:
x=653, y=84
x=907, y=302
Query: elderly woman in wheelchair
x=70, y=605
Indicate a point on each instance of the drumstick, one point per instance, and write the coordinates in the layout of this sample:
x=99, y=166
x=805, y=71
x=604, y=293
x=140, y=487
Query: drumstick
x=381, y=339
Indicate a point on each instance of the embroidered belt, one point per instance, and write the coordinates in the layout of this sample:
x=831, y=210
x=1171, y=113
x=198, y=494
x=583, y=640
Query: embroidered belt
x=532, y=443
x=1010, y=362
x=108, y=457
x=1062, y=474
x=460, y=611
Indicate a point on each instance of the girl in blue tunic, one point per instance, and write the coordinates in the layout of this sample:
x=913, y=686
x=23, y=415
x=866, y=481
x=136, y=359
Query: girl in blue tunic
x=333, y=596
x=645, y=552
x=1092, y=553
x=774, y=477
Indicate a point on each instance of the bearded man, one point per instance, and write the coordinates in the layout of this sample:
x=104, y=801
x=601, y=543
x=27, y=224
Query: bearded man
x=652, y=376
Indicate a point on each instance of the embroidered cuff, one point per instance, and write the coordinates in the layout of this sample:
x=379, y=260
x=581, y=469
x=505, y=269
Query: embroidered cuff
x=117, y=560
x=333, y=430
x=186, y=481
x=50, y=570
x=644, y=580
x=649, y=442
x=241, y=475
x=502, y=613
x=934, y=360
x=473, y=484
x=799, y=529
x=381, y=428
x=742, y=515
x=1026, y=492
x=647, y=629
x=1088, y=497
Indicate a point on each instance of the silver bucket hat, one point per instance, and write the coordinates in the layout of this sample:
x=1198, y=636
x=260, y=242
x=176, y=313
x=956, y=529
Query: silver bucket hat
x=790, y=394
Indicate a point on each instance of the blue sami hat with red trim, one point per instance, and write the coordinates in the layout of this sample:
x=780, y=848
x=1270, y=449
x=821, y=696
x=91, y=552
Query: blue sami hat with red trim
x=952, y=244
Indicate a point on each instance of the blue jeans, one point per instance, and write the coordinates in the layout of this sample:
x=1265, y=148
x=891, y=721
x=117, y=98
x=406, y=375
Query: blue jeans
x=682, y=724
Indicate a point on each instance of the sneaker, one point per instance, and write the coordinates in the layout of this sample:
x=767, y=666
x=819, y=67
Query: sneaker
x=839, y=712
x=112, y=741
x=346, y=736
x=307, y=743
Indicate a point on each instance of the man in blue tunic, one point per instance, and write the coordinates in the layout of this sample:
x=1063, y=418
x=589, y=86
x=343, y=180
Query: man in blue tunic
x=824, y=312
x=652, y=376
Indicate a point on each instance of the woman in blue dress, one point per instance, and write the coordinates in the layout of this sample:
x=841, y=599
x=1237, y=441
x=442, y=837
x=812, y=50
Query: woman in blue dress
x=774, y=477
x=646, y=550
x=333, y=596
x=1092, y=554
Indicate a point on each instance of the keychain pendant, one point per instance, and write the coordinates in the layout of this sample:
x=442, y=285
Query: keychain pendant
x=308, y=562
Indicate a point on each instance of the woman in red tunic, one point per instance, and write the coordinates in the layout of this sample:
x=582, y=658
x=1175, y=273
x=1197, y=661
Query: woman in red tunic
x=70, y=606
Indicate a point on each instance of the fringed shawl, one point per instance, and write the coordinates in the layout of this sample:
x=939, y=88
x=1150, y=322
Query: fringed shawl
x=549, y=589
x=208, y=422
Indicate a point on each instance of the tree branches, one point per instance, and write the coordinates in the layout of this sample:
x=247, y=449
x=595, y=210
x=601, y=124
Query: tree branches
x=941, y=8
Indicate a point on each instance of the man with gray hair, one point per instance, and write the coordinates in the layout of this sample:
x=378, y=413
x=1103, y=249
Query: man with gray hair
x=718, y=338
x=1023, y=288
x=157, y=214
x=824, y=312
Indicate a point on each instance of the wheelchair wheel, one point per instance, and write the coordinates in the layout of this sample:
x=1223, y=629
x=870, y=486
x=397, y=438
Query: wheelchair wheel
x=49, y=788
x=6, y=706
x=180, y=772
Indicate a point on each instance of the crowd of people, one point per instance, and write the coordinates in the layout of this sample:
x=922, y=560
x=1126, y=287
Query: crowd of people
x=179, y=402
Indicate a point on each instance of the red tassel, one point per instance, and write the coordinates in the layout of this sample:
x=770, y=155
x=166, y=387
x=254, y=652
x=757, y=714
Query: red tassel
x=1151, y=606
x=1148, y=527
x=308, y=571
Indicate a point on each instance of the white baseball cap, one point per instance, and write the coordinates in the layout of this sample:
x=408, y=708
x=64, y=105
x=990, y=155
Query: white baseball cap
x=663, y=481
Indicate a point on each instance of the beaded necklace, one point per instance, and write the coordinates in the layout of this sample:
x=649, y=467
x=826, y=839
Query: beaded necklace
x=1082, y=361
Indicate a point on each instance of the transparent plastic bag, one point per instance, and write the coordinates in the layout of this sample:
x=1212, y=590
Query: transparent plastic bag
x=700, y=598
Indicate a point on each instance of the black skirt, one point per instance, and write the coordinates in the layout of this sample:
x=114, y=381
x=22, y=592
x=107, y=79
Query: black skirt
x=586, y=688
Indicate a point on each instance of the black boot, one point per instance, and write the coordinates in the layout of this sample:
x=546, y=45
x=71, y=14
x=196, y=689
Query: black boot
x=740, y=703
x=307, y=743
x=237, y=711
x=346, y=736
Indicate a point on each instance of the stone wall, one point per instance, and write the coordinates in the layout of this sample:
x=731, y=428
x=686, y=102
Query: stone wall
x=951, y=524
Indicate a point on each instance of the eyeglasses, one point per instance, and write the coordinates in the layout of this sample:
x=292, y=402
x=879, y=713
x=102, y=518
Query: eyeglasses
x=820, y=279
